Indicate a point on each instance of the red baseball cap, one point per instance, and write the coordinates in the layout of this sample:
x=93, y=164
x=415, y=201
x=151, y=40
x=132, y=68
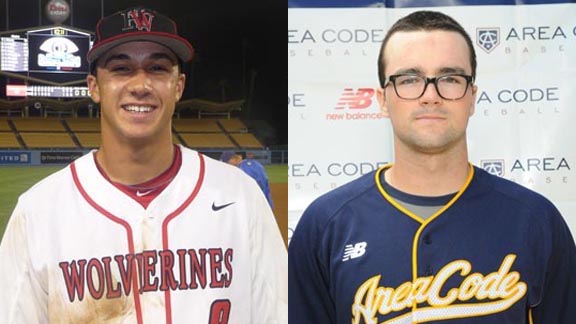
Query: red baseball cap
x=138, y=24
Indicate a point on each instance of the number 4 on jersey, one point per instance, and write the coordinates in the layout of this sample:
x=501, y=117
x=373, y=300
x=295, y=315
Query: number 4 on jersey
x=219, y=312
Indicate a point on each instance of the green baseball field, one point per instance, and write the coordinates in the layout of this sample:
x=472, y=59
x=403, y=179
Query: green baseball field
x=16, y=180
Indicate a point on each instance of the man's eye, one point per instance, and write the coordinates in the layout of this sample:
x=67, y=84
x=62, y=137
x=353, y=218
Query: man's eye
x=409, y=80
x=158, y=68
x=119, y=68
x=452, y=79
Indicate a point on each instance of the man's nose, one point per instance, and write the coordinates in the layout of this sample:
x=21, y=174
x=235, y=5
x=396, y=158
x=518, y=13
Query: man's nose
x=140, y=83
x=430, y=95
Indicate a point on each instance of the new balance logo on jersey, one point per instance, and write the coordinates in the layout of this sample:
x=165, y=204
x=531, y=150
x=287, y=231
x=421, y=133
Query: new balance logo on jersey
x=354, y=251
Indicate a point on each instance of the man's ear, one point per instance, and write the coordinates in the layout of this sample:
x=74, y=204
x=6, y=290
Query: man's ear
x=473, y=104
x=180, y=83
x=92, y=82
x=381, y=97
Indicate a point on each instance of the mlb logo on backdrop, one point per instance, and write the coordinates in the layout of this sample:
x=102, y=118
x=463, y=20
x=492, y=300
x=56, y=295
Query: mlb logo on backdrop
x=495, y=167
x=488, y=38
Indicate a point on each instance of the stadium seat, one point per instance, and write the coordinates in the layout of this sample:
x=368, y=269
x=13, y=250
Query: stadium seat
x=83, y=124
x=38, y=125
x=233, y=125
x=47, y=140
x=8, y=140
x=207, y=140
x=89, y=140
x=207, y=107
x=4, y=127
x=195, y=126
x=247, y=141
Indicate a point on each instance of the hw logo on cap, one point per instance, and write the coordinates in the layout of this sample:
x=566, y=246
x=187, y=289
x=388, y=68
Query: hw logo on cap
x=140, y=19
x=488, y=38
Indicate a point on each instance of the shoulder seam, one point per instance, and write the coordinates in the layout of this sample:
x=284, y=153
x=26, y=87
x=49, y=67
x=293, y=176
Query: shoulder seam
x=332, y=215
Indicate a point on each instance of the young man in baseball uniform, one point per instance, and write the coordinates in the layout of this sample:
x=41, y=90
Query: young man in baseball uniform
x=431, y=238
x=141, y=230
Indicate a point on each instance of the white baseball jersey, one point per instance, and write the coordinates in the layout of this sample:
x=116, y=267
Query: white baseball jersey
x=207, y=250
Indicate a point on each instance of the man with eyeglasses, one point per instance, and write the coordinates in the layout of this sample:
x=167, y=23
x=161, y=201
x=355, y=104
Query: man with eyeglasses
x=430, y=237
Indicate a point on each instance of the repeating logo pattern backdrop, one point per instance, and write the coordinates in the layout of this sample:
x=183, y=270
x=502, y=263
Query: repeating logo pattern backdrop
x=523, y=126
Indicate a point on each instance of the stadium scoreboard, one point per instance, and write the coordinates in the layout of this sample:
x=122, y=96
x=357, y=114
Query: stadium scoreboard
x=46, y=91
x=49, y=50
x=14, y=54
x=47, y=60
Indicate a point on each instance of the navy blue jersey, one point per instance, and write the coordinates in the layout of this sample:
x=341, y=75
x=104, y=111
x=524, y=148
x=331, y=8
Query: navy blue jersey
x=496, y=253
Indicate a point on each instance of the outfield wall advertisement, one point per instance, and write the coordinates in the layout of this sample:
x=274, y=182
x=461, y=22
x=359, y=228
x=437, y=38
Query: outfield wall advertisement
x=522, y=128
x=36, y=157
x=15, y=158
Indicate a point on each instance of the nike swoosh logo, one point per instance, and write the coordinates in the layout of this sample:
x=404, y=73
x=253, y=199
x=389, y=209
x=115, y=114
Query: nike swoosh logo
x=141, y=194
x=217, y=208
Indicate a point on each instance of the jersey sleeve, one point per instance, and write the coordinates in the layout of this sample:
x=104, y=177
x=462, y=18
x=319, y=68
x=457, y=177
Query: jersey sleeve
x=309, y=298
x=556, y=298
x=269, y=266
x=23, y=297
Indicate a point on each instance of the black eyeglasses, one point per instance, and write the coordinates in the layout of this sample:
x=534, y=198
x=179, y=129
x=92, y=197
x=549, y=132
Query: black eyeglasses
x=412, y=86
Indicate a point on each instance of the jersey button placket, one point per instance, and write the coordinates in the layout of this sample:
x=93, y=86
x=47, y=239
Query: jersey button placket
x=426, y=243
x=427, y=239
x=151, y=234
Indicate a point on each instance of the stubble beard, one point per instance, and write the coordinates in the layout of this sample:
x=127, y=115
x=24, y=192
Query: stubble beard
x=426, y=143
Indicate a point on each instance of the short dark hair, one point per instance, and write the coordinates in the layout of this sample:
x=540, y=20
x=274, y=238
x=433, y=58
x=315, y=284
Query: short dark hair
x=425, y=21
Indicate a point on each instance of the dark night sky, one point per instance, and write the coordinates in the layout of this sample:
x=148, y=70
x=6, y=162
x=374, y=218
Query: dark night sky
x=227, y=36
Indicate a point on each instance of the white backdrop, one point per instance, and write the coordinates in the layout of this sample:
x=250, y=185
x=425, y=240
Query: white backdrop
x=523, y=128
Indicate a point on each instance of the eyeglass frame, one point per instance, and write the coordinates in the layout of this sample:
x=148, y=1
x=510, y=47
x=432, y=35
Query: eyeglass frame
x=392, y=79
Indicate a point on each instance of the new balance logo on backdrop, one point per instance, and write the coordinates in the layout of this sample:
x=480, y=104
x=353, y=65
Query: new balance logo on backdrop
x=488, y=38
x=353, y=251
x=356, y=104
x=360, y=98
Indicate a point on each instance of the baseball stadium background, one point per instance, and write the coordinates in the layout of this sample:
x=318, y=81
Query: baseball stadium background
x=523, y=126
x=232, y=100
